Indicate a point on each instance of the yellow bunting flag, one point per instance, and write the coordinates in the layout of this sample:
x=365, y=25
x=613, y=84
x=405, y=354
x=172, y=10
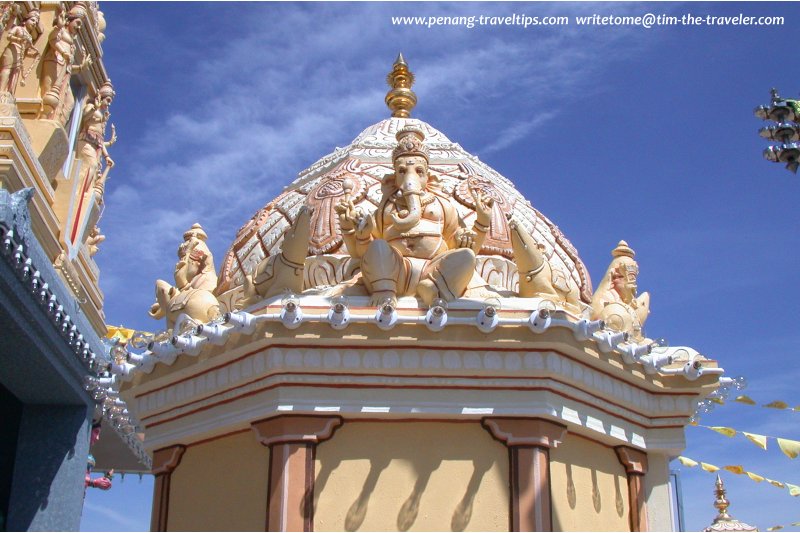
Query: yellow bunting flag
x=777, y=405
x=728, y=432
x=745, y=399
x=755, y=477
x=758, y=440
x=736, y=469
x=790, y=447
x=774, y=528
x=685, y=461
x=718, y=401
x=777, y=483
x=709, y=467
x=794, y=490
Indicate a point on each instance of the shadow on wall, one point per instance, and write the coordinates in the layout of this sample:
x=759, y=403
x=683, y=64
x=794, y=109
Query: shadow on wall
x=463, y=511
x=413, y=456
x=585, y=475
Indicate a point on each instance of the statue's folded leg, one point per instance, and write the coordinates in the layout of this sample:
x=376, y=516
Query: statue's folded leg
x=383, y=270
x=450, y=273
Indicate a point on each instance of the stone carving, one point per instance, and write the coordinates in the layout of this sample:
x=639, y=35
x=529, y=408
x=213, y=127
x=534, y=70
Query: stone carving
x=195, y=278
x=283, y=271
x=58, y=67
x=616, y=301
x=415, y=243
x=536, y=277
x=343, y=183
x=20, y=46
x=92, y=148
x=92, y=241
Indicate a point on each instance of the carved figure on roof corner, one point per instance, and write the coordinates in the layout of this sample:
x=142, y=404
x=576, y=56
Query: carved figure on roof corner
x=195, y=279
x=616, y=301
x=535, y=273
x=20, y=46
x=58, y=66
x=103, y=482
x=284, y=271
x=415, y=243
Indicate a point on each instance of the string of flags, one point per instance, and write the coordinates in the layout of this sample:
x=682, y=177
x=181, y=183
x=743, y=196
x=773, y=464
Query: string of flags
x=778, y=528
x=790, y=448
x=794, y=490
x=747, y=400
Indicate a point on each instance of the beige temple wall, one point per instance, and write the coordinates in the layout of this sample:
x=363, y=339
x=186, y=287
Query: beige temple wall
x=588, y=486
x=220, y=485
x=411, y=476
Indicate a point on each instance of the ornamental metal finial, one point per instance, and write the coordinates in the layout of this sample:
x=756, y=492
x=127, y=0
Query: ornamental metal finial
x=725, y=522
x=401, y=99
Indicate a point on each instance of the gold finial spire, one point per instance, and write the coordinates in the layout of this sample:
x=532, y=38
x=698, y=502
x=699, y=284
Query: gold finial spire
x=725, y=522
x=721, y=502
x=400, y=99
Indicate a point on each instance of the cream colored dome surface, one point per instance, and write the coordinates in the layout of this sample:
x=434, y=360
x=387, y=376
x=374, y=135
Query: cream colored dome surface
x=363, y=164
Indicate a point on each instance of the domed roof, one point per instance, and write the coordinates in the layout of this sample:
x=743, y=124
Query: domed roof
x=363, y=164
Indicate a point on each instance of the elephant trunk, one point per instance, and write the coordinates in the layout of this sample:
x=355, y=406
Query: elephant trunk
x=411, y=218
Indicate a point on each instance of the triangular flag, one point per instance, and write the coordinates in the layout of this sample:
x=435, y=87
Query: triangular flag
x=796, y=523
x=758, y=440
x=718, y=401
x=693, y=423
x=755, y=477
x=774, y=528
x=736, y=469
x=777, y=483
x=685, y=461
x=745, y=399
x=794, y=490
x=790, y=447
x=709, y=467
x=777, y=405
x=728, y=432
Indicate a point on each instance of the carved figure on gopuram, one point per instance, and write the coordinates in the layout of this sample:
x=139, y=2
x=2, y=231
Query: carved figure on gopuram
x=284, y=271
x=616, y=301
x=92, y=152
x=415, y=243
x=195, y=279
x=58, y=67
x=92, y=148
x=94, y=239
x=536, y=277
x=20, y=45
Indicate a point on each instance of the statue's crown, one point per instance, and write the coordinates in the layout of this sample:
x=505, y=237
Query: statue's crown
x=106, y=90
x=410, y=142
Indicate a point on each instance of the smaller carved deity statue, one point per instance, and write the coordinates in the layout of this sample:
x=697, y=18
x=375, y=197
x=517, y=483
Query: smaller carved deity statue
x=20, y=46
x=103, y=482
x=415, y=243
x=195, y=279
x=58, y=67
x=92, y=148
x=616, y=301
x=535, y=272
x=93, y=240
x=284, y=271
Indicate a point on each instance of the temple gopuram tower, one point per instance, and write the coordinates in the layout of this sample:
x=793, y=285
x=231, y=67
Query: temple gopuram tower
x=55, y=389
x=401, y=341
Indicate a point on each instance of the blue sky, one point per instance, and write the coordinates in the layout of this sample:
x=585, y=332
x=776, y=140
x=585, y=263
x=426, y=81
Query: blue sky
x=646, y=135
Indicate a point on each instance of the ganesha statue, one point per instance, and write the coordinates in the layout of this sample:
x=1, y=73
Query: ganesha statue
x=616, y=301
x=195, y=279
x=415, y=243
